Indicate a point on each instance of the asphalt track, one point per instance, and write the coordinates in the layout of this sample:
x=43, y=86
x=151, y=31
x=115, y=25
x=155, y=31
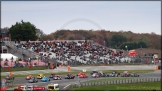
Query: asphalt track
x=64, y=82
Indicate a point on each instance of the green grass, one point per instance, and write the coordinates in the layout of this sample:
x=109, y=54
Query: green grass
x=88, y=72
x=23, y=69
x=139, y=86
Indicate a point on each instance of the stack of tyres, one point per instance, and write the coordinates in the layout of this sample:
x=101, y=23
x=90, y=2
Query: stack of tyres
x=159, y=67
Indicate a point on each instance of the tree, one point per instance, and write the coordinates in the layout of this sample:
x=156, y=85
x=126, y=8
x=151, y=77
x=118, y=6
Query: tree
x=23, y=31
x=117, y=40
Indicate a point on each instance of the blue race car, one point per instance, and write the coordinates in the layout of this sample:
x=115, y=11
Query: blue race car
x=45, y=79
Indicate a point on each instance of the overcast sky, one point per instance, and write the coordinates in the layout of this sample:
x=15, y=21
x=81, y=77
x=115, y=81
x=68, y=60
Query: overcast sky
x=49, y=16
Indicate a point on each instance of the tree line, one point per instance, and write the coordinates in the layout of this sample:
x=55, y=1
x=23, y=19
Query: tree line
x=27, y=31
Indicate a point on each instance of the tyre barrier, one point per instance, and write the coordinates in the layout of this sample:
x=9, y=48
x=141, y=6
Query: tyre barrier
x=158, y=67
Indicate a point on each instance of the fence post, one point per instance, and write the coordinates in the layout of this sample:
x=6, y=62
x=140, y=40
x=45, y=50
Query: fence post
x=150, y=80
x=103, y=83
x=108, y=82
x=153, y=80
x=98, y=83
x=117, y=81
x=133, y=81
x=138, y=80
x=114, y=82
x=90, y=83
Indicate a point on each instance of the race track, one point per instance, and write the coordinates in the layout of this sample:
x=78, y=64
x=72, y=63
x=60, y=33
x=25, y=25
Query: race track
x=65, y=82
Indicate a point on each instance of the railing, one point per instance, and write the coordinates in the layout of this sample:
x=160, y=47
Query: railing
x=125, y=81
x=21, y=50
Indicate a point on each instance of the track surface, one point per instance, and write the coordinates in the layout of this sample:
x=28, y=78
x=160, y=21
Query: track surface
x=65, y=82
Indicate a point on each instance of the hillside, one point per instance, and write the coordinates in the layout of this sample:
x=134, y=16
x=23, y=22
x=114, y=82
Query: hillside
x=110, y=38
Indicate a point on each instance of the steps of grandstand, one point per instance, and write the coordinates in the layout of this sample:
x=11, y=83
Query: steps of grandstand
x=20, y=50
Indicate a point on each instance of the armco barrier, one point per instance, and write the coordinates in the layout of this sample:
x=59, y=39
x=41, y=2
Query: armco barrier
x=68, y=87
x=125, y=81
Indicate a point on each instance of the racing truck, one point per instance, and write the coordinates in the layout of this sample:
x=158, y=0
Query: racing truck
x=53, y=87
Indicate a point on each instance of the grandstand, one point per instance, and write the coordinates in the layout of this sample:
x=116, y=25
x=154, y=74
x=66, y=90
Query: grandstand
x=67, y=52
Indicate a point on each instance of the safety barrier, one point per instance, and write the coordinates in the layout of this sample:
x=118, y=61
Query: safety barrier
x=112, y=82
x=68, y=87
x=158, y=67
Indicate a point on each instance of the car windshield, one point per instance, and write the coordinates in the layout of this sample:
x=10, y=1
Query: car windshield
x=50, y=87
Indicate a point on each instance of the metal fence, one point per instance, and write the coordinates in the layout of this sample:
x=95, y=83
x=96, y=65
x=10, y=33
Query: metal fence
x=125, y=81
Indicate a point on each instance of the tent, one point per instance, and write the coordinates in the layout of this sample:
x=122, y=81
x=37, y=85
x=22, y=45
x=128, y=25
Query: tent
x=8, y=56
x=132, y=53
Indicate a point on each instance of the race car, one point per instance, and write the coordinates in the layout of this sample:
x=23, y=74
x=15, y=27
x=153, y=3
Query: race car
x=113, y=74
x=95, y=75
x=28, y=77
x=57, y=77
x=134, y=74
x=83, y=76
x=70, y=76
x=40, y=76
x=45, y=79
x=102, y=74
x=93, y=72
x=33, y=80
x=52, y=75
x=80, y=73
x=9, y=77
x=125, y=74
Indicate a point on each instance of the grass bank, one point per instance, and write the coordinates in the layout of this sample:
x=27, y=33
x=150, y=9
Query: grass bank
x=88, y=72
x=139, y=86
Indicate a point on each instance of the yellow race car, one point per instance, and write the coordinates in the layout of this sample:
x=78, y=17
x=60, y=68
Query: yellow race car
x=40, y=76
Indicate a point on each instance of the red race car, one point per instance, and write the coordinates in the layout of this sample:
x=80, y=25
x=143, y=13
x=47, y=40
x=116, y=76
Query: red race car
x=83, y=76
x=125, y=74
x=29, y=77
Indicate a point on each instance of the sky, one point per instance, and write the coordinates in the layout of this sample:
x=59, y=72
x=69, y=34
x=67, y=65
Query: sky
x=49, y=16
